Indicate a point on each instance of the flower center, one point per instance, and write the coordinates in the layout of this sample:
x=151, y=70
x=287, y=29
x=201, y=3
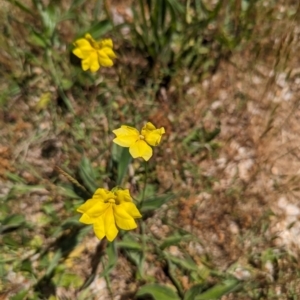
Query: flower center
x=142, y=137
x=94, y=43
x=112, y=201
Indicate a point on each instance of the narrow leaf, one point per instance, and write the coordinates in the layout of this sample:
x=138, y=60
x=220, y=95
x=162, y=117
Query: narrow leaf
x=76, y=3
x=21, y=6
x=101, y=28
x=157, y=292
x=13, y=220
x=87, y=174
x=129, y=245
x=155, y=202
x=123, y=164
x=194, y=291
x=173, y=240
x=219, y=290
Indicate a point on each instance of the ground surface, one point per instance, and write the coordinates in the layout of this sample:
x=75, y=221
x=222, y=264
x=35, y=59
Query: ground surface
x=236, y=192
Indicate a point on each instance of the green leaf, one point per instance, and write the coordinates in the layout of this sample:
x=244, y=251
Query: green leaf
x=87, y=174
x=155, y=202
x=100, y=29
x=8, y=240
x=21, y=6
x=20, y=295
x=50, y=17
x=76, y=3
x=135, y=257
x=157, y=292
x=11, y=223
x=14, y=177
x=187, y=264
x=129, y=245
x=54, y=262
x=123, y=163
x=173, y=240
x=26, y=266
x=112, y=254
x=176, y=6
x=37, y=39
x=67, y=191
x=194, y=291
x=13, y=220
x=69, y=280
x=219, y=290
x=121, y=159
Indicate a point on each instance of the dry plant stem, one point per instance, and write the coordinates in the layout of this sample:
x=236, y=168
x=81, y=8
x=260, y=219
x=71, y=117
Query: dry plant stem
x=70, y=178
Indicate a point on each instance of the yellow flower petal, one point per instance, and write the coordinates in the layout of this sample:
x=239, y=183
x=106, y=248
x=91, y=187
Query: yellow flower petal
x=95, y=66
x=94, y=53
x=98, y=209
x=111, y=230
x=87, y=205
x=140, y=149
x=107, y=52
x=91, y=62
x=131, y=209
x=96, y=206
x=110, y=210
x=151, y=134
x=99, y=228
x=126, y=136
x=85, y=219
x=123, y=196
x=149, y=126
x=78, y=53
x=85, y=64
x=106, y=43
x=83, y=43
x=89, y=38
x=83, y=48
x=105, y=61
x=123, y=219
x=103, y=194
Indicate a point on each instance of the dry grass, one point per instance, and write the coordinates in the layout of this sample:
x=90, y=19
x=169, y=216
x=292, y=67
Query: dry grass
x=237, y=193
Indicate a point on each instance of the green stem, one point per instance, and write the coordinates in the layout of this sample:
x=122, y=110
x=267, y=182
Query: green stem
x=145, y=184
x=144, y=24
x=143, y=254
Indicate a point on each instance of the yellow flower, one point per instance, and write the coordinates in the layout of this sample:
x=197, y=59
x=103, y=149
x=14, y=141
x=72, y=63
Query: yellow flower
x=108, y=211
x=138, y=143
x=94, y=53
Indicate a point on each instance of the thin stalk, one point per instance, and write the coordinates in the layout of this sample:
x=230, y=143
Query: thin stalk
x=145, y=184
x=145, y=29
x=143, y=238
x=70, y=178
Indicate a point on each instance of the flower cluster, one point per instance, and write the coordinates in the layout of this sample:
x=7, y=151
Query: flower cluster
x=139, y=142
x=109, y=211
x=94, y=53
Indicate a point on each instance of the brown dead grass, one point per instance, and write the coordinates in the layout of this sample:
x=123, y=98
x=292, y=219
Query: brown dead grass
x=255, y=170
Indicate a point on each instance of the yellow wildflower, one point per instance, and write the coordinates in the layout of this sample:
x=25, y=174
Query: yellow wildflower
x=138, y=143
x=108, y=211
x=94, y=53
